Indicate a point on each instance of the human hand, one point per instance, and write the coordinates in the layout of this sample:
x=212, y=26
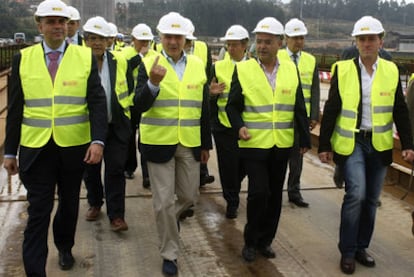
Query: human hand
x=157, y=72
x=10, y=164
x=325, y=157
x=205, y=155
x=408, y=155
x=244, y=133
x=216, y=88
x=94, y=153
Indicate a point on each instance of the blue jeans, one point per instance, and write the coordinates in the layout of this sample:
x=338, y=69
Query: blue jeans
x=364, y=174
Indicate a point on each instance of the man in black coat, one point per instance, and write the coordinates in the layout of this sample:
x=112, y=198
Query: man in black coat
x=58, y=123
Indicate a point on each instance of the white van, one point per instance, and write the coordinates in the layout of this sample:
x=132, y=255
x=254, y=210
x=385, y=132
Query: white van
x=19, y=38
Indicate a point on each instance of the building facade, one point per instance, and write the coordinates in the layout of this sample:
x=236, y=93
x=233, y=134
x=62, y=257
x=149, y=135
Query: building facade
x=90, y=8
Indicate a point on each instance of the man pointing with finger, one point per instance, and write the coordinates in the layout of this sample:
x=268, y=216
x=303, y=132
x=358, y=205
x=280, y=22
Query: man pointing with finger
x=174, y=130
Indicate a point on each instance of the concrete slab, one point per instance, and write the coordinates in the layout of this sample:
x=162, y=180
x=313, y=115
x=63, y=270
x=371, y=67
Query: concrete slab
x=306, y=242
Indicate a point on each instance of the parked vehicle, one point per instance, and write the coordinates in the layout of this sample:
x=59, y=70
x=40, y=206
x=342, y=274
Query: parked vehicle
x=19, y=38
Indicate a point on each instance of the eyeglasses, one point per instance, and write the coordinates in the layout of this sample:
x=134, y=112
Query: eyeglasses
x=93, y=38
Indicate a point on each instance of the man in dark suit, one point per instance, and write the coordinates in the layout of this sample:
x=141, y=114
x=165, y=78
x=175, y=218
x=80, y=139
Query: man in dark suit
x=265, y=114
x=74, y=36
x=117, y=82
x=58, y=122
x=172, y=94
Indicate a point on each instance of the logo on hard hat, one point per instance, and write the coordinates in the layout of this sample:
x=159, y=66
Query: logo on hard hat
x=97, y=26
x=175, y=25
x=296, y=29
x=57, y=9
x=365, y=29
x=265, y=26
x=230, y=33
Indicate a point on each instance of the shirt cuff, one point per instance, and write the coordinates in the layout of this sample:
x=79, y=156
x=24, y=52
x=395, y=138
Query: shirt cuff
x=153, y=88
x=98, y=142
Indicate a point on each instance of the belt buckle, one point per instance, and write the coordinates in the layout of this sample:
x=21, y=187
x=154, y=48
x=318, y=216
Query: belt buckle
x=366, y=133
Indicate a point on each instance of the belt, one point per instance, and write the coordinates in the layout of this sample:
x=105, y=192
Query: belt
x=365, y=133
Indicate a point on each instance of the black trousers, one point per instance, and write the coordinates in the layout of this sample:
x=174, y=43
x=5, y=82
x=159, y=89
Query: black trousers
x=115, y=154
x=144, y=167
x=264, y=201
x=230, y=166
x=131, y=163
x=54, y=166
x=295, y=171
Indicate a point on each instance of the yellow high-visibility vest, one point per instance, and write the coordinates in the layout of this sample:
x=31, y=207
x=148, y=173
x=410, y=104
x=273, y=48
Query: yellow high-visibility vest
x=60, y=109
x=384, y=87
x=224, y=73
x=121, y=84
x=268, y=114
x=176, y=112
x=306, y=67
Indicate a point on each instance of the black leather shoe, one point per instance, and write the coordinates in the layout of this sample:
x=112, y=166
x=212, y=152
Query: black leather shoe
x=129, y=175
x=169, y=268
x=231, y=212
x=299, y=202
x=267, y=252
x=187, y=213
x=66, y=260
x=249, y=254
x=206, y=179
x=364, y=258
x=348, y=265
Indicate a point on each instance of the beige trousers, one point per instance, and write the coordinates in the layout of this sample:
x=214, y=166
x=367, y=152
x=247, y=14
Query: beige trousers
x=174, y=187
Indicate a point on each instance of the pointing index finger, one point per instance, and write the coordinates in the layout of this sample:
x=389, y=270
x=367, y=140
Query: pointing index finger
x=155, y=62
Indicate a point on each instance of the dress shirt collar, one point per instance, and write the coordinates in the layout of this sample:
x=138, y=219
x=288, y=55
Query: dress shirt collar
x=47, y=49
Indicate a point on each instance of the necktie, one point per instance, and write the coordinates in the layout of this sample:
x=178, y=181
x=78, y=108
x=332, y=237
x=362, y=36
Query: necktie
x=295, y=59
x=53, y=63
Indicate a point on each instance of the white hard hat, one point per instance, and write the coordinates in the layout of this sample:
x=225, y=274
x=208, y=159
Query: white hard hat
x=172, y=23
x=295, y=28
x=367, y=25
x=142, y=32
x=97, y=25
x=52, y=8
x=190, y=29
x=74, y=13
x=236, y=32
x=113, y=29
x=269, y=25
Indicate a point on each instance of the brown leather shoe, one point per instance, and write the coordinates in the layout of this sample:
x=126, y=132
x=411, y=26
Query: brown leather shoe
x=348, y=265
x=93, y=213
x=364, y=258
x=118, y=224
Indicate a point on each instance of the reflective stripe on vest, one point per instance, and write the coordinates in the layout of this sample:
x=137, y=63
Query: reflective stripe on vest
x=121, y=84
x=306, y=67
x=60, y=108
x=175, y=114
x=268, y=114
x=383, y=91
x=224, y=73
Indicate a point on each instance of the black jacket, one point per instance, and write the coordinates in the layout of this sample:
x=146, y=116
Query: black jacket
x=332, y=110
